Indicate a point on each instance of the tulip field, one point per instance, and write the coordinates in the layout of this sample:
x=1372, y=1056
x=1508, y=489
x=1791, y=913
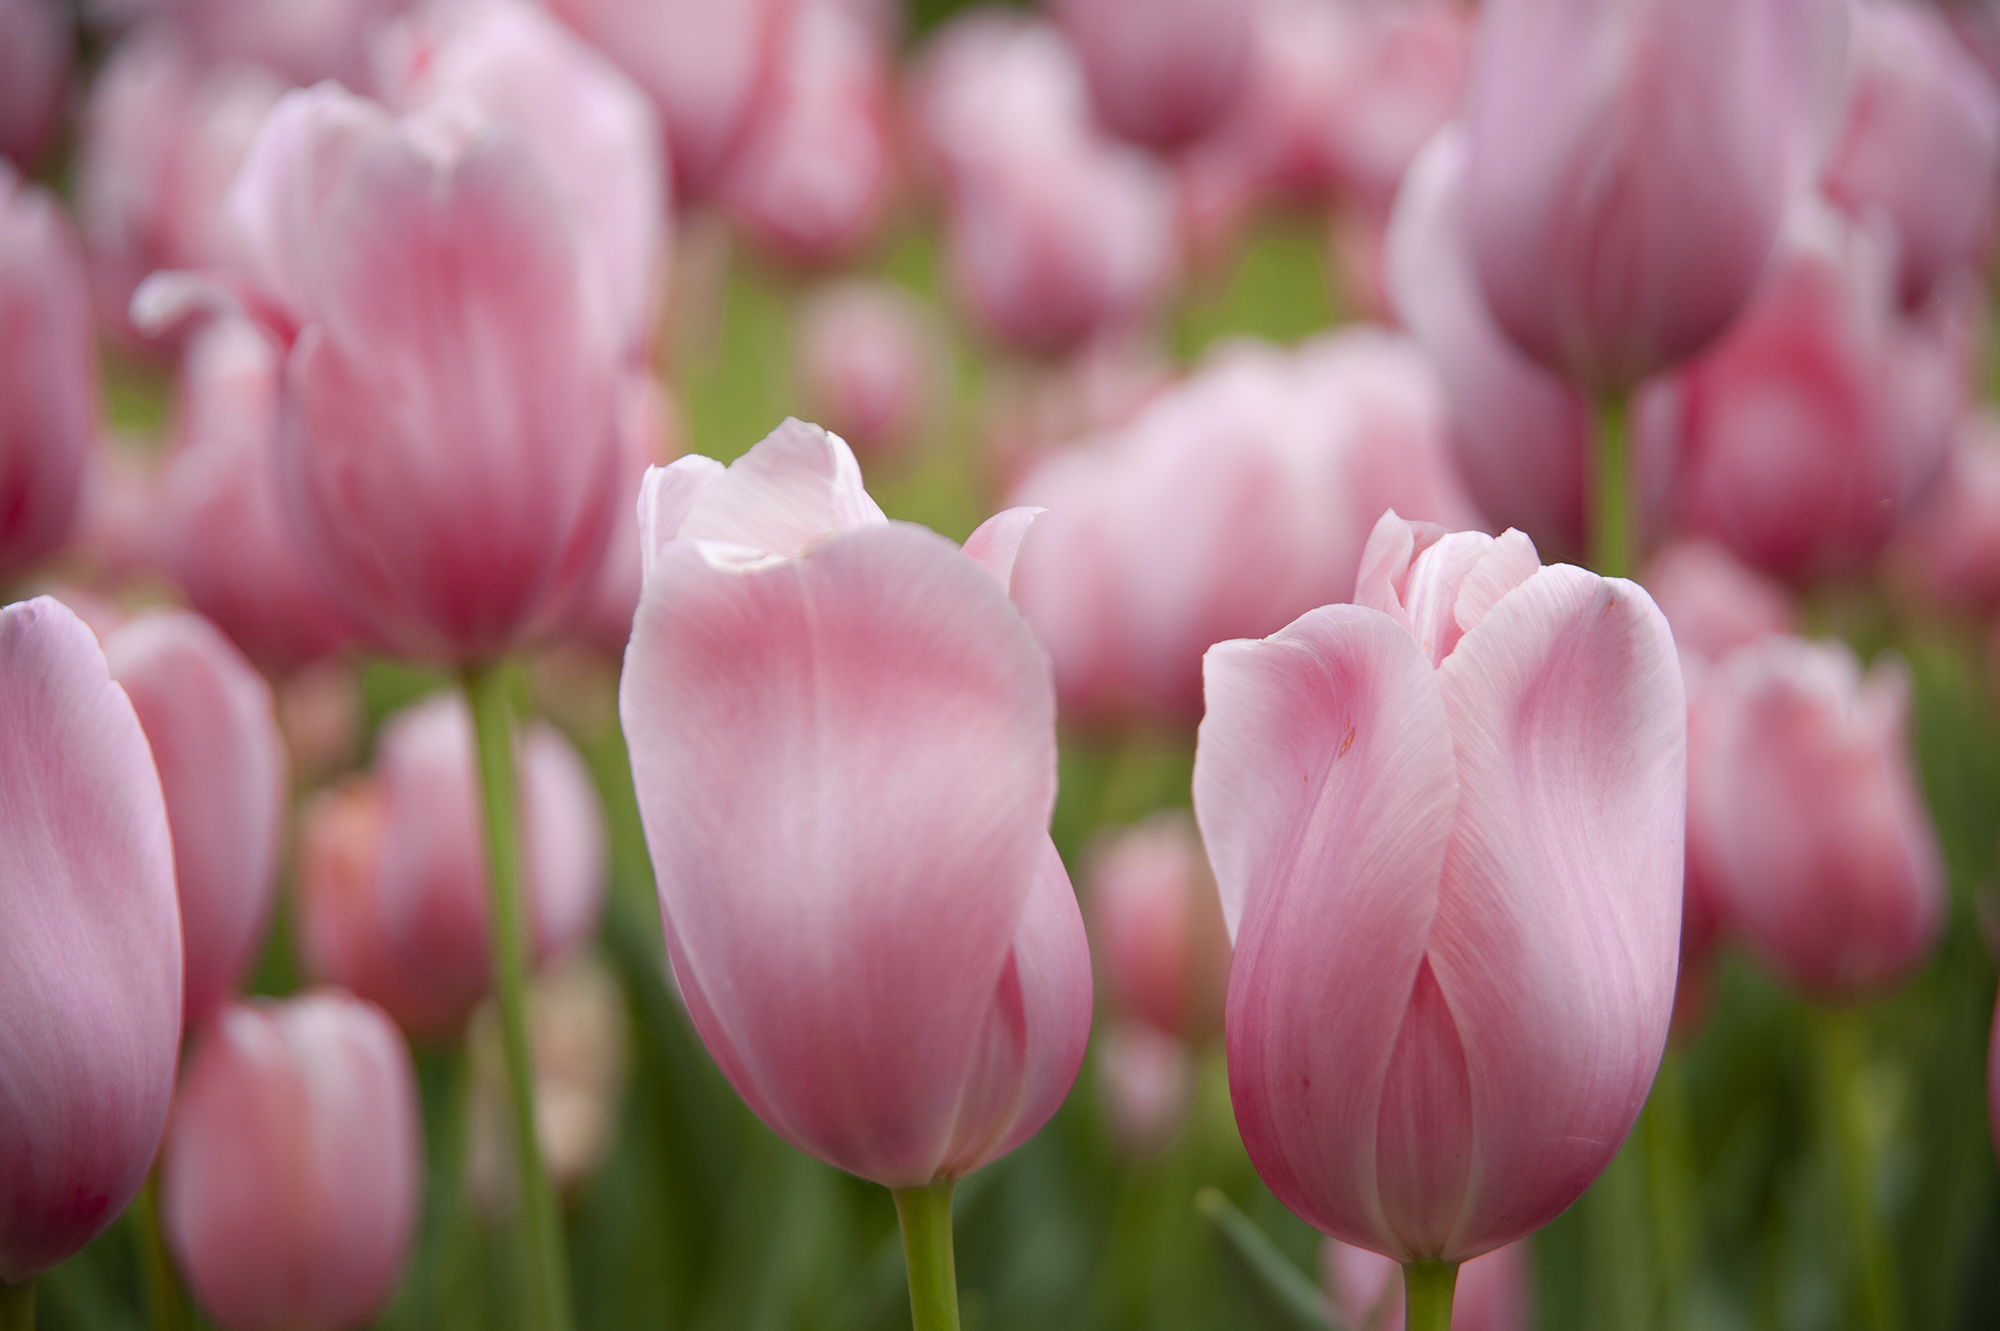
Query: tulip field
x=859, y=665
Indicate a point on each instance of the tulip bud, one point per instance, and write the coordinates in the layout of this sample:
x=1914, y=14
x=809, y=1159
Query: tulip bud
x=48, y=377
x=1147, y=1079
x=1921, y=142
x=34, y=63
x=1805, y=820
x=293, y=1168
x=1479, y=771
x=1161, y=74
x=871, y=364
x=1163, y=951
x=897, y=984
x=1714, y=603
x=209, y=720
x=90, y=943
x=1495, y=1291
x=1630, y=164
x=392, y=874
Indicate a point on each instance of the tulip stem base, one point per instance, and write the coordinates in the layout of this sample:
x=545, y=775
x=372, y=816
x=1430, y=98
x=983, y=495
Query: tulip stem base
x=545, y=1268
x=925, y=1214
x=1839, y=1038
x=17, y=1306
x=1611, y=513
x=1427, y=1291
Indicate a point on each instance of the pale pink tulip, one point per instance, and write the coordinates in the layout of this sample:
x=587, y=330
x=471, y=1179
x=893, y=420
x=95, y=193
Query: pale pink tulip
x=1631, y=162
x=843, y=741
x=292, y=1174
x=1921, y=142
x=392, y=880
x=1031, y=409
x=219, y=526
x=304, y=41
x=1495, y=1291
x=90, y=950
x=1231, y=505
x=1401, y=79
x=1949, y=544
x=872, y=363
x=48, y=374
x=449, y=440
x=34, y=65
x=208, y=716
x=1714, y=602
x=1446, y=822
x=649, y=434
x=1162, y=950
x=1147, y=1080
x=1161, y=74
x=705, y=65
x=1805, y=819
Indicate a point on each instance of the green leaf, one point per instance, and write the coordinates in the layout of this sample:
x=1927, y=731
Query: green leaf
x=1281, y=1298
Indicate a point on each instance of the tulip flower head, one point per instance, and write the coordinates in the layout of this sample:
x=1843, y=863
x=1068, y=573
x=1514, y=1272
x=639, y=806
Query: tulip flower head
x=1446, y=824
x=1161, y=74
x=34, y=64
x=1163, y=952
x=842, y=737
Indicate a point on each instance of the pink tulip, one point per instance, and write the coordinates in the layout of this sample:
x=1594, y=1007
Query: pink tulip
x=1162, y=948
x=293, y=1170
x=705, y=66
x=449, y=444
x=1231, y=505
x=90, y=951
x=303, y=41
x=1805, y=820
x=208, y=717
x=1631, y=161
x=392, y=880
x=1029, y=409
x=1402, y=78
x=871, y=363
x=1161, y=74
x=1949, y=544
x=594, y=134
x=811, y=179
x=1713, y=602
x=1805, y=430
x=843, y=741
x=649, y=434
x=1494, y=1291
x=1921, y=142
x=48, y=377
x=34, y=64
x=1455, y=934
x=1147, y=1080
x=220, y=529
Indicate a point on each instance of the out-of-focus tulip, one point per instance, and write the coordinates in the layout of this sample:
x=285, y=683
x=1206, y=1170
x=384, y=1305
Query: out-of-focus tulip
x=576, y=1036
x=293, y=1169
x=392, y=873
x=1030, y=409
x=811, y=178
x=1713, y=601
x=593, y=132
x=1495, y=1291
x=163, y=136
x=48, y=374
x=449, y=441
x=1631, y=163
x=302, y=40
x=870, y=362
x=1231, y=505
x=1921, y=141
x=1147, y=1080
x=1804, y=431
x=1949, y=544
x=90, y=950
x=219, y=526
x=34, y=63
x=322, y=714
x=1805, y=819
x=1163, y=951
x=1402, y=77
x=649, y=434
x=208, y=717
x=705, y=65
x=899, y=983
x=1161, y=74
x=1446, y=822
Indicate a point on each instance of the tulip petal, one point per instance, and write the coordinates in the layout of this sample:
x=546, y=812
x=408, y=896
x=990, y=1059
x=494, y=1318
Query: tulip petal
x=795, y=487
x=1324, y=786
x=665, y=498
x=1557, y=932
x=998, y=540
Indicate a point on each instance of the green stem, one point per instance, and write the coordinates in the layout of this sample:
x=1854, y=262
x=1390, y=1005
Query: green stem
x=926, y=1217
x=545, y=1270
x=17, y=1306
x=166, y=1302
x=1839, y=1062
x=1611, y=514
x=1669, y=1149
x=1427, y=1290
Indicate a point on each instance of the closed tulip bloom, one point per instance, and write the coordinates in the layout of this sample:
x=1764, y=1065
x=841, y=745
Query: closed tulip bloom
x=1495, y=1291
x=1446, y=823
x=1147, y=1080
x=1630, y=165
x=48, y=374
x=1921, y=140
x=649, y=434
x=1162, y=949
x=90, y=943
x=34, y=64
x=1948, y=545
x=392, y=880
x=898, y=982
x=1161, y=72
x=293, y=1170
x=870, y=361
x=1714, y=602
x=449, y=441
x=1805, y=819
x=208, y=717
